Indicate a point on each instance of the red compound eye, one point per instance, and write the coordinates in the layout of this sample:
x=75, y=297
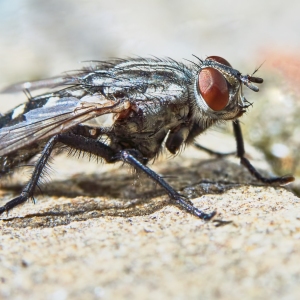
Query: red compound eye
x=220, y=60
x=213, y=88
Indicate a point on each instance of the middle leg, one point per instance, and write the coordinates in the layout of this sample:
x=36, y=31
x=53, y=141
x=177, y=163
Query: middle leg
x=134, y=158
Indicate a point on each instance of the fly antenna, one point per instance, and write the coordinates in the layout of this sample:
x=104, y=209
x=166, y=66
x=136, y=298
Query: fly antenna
x=257, y=68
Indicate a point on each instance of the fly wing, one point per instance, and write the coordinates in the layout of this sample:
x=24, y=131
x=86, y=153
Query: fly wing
x=55, y=117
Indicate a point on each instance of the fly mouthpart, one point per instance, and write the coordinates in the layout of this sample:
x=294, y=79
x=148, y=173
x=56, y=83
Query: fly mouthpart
x=246, y=103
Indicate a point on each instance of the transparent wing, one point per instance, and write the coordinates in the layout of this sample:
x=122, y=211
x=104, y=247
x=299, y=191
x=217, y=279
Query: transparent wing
x=55, y=117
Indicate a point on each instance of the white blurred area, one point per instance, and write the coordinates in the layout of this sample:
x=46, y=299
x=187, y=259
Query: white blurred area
x=45, y=38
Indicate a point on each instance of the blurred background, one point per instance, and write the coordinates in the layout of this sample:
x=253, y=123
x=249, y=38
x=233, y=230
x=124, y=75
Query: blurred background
x=39, y=39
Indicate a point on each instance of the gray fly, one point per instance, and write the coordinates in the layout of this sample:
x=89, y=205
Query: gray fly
x=125, y=110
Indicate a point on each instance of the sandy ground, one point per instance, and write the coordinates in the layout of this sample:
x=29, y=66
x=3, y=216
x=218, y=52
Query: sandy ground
x=114, y=235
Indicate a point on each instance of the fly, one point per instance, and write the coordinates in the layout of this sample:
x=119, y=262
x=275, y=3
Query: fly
x=125, y=110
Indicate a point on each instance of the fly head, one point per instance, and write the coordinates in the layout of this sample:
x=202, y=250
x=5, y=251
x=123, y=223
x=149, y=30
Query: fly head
x=218, y=89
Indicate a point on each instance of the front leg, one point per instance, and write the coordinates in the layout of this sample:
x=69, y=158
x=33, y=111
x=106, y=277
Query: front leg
x=245, y=162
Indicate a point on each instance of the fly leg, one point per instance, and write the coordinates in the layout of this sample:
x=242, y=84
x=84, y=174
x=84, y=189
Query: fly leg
x=135, y=159
x=30, y=187
x=212, y=152
x=131, y=157
x=74, y=141
x=246, y=163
